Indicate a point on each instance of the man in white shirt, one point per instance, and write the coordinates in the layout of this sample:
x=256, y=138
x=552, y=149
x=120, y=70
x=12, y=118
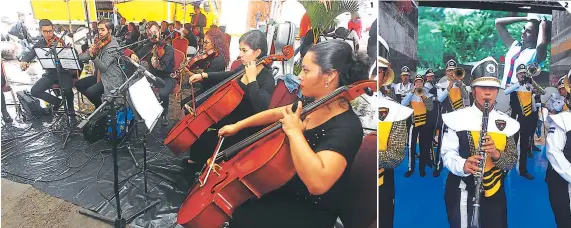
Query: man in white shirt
x=404, y=86
x=531, y=48
x=460, y=153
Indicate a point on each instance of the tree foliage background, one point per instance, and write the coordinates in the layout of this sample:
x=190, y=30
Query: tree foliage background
x=466, y=37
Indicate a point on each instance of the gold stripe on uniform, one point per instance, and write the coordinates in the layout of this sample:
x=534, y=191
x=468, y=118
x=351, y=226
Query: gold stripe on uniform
x=492, y=174
x=455, y=98
x=565, y=108
x=383, y=132
x=381, y=176
x=525, y=102
x=419, y=113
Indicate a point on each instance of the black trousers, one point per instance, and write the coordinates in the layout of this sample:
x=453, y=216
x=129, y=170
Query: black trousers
x=46, y=81
x=558, y=189
x=91, y=89
x=422, y=133
x=526, y=131
x=387, y=199
x=437, y=155
x=493, y=210
x=165, y=92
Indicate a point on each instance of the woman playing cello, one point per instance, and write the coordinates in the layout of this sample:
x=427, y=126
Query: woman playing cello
x=258, y=86
x=322, y=146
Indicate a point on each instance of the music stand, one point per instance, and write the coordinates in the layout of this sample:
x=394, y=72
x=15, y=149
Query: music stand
x=119, y=221
x=60, y=57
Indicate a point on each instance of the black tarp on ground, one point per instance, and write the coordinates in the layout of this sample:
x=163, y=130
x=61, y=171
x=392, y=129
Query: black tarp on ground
x=83, y=175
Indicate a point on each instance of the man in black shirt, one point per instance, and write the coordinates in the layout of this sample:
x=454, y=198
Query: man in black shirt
x=159, y=66
x=50, y=76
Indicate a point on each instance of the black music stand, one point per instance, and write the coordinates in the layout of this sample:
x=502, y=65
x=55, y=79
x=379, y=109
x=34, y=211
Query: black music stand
x=64, y=58
x=119, y=221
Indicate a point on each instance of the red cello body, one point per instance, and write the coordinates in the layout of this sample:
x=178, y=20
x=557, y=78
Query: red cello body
x=221, y=103
x=262, y=163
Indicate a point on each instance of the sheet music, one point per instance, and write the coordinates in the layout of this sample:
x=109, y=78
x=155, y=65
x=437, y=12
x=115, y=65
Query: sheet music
x=41, y=53
x=69, y=64
x=47, y=63
x=66, y=53
x=145, y=102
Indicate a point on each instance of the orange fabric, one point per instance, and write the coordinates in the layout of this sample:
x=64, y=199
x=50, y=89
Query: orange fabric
x=355, y=25
x=304, y=25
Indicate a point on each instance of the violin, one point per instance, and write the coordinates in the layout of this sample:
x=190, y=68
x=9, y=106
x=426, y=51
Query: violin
x=185, y=66
x=100, y=42
x=60, y=42
x=250, y=168
x=217, y=103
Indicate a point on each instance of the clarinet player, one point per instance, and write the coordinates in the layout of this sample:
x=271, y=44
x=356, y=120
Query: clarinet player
x=460, y=155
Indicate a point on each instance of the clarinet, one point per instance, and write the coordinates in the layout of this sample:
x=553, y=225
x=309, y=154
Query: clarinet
x=479, y=177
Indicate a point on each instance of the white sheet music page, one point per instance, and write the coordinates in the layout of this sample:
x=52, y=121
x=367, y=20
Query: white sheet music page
x=145, y=102
x=41, y=53
x=47, y=63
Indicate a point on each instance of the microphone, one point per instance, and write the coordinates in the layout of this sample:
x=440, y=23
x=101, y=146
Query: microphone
x=159, y=82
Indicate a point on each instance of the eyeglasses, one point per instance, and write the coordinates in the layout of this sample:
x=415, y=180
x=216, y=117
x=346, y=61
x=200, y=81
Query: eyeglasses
x=48, y=31
x=206, y=42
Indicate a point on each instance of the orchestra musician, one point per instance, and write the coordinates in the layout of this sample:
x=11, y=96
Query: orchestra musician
x=524, y=110
x=50, y=77
x=258, y=85
x=322, y=146
x=460, y=154
x=558, y=175
x=421, y=102
x=108, y=74
x=160, y=58
x=216, y=62
x=391, y=144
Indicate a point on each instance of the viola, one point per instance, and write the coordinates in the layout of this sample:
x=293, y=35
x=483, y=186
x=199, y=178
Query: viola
x=213, y=105
x=100, y=42
x=185, y=66
x=250, y=168
x=60, y=42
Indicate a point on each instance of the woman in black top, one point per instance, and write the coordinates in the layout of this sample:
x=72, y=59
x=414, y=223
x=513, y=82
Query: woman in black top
x=216, y=62
x=258, y=85
x=322, y=146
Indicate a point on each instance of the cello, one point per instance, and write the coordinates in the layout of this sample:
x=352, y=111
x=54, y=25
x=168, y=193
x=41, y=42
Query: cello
x=215, y=104
x=255, y=166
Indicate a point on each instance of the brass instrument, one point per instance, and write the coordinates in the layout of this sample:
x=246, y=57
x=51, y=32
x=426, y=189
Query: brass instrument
x=479, y=177
x=459, y=73
x=566, y=83
x=533, y=70
x=419, y=92
x=389, y=74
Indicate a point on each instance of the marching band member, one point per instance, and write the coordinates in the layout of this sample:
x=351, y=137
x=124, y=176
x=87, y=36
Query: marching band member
x=523, y=110
x=558, y=174
x=434, y=122
x=386, y=74
x=404, y=86
x=391, y=143
x=455, y=90
x=460, y=153
x=556, y=102
x=421, y=102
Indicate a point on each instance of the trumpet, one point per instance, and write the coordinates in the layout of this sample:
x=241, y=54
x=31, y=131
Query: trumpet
x=459, y=73
x=533, y=70
x=419, y=92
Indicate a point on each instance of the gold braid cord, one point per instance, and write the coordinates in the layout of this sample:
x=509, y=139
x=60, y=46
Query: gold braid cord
x=397, y=142
x=508, y=158
x=428, y=104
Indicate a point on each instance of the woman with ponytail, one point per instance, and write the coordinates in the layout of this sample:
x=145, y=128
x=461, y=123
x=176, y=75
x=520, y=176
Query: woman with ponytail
x=322, y=146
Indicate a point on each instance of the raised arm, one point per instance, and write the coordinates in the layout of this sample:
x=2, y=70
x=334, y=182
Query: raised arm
x=542, y=41
x=501, y=24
